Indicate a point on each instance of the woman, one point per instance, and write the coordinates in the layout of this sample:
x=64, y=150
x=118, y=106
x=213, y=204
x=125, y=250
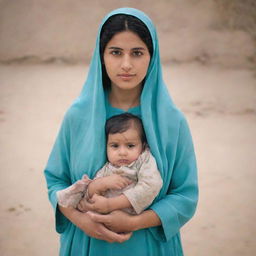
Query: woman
x=125, y=76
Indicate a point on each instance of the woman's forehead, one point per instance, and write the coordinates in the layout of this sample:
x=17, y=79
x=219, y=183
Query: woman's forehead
x=126, y=39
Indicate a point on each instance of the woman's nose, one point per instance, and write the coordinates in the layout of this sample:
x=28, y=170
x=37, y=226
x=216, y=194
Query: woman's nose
x=126, y=63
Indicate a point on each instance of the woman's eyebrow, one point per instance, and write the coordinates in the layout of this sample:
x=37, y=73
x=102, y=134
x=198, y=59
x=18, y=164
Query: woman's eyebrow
x=139, y=48
x=121, y=49
x=114, y=48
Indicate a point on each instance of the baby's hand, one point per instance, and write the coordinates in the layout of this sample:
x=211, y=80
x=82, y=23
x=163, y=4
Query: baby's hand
x=100, y=204
x=116, y=182
x=102, y=184
x=97, y=203
x=83, y=205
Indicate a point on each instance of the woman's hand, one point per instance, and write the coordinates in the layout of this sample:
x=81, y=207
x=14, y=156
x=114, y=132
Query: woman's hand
x=93, y=228
x=117, y=221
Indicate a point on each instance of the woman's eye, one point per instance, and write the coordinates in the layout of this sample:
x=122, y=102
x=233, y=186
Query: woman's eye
x=137, y=53
x=115, y=52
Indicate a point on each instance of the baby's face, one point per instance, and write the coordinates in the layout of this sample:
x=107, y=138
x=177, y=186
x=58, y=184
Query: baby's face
x=124, y=148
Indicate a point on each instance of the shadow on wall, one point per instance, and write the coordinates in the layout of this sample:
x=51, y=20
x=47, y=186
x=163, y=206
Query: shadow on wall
x=218, y=32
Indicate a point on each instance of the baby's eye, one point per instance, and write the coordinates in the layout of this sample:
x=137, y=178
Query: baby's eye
x=137, y=53
x=114, y=145
x=131, y=145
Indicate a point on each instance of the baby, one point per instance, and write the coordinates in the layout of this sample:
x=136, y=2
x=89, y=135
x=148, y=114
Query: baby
x=129, y=180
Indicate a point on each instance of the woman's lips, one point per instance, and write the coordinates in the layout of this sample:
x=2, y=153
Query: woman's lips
x=126, y=77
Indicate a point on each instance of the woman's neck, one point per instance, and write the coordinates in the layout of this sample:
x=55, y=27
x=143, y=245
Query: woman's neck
x=124, y=100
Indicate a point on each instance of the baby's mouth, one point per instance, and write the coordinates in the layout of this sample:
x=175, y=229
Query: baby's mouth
x=123, y=162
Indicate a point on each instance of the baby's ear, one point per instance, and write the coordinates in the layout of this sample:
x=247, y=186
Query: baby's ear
x=144, y=146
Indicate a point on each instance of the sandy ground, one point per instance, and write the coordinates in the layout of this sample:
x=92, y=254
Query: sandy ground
x=220, y=105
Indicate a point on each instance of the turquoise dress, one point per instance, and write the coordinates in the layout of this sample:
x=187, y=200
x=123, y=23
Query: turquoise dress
x=80, y=149
x=111, y=111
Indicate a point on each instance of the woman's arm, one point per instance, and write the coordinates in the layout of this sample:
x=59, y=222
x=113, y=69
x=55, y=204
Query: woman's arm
x=180, y=195
x=92, y=228
x=119, y=221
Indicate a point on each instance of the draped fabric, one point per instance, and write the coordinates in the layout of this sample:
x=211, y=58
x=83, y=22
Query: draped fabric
x=80, y=149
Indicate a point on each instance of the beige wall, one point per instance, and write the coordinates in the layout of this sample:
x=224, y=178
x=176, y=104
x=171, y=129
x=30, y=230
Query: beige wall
x=209, y=31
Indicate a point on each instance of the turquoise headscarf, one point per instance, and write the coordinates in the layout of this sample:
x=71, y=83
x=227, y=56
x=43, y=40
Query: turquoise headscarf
x=80, y=149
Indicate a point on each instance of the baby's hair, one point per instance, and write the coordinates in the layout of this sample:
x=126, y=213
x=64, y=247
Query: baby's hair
x=121, y=123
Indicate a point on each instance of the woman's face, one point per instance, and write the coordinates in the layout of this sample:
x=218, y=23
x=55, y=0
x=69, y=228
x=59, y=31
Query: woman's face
x=126, y=58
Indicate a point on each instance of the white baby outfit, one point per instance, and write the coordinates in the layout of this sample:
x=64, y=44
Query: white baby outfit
x=141, y=193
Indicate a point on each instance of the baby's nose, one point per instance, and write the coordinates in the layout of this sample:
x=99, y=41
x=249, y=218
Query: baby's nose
x=122, y=151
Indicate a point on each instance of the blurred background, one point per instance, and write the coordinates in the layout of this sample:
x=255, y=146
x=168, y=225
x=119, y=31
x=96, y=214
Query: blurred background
x=208, y=31
x=208, y=51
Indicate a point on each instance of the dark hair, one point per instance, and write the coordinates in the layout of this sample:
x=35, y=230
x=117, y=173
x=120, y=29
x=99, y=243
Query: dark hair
x=118, y=23
x=121, y=123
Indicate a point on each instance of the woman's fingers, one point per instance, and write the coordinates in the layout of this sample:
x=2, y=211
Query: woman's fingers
x=111, y=236
x=117, y=221
x=80, y=207
x=99, y=217
x=106, y=234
